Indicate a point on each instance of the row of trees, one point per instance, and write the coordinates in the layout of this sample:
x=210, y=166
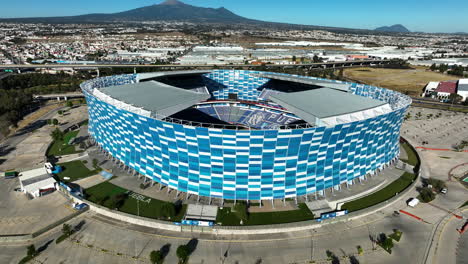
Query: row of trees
x=16, y=92
x=456, y=70
x=183, y=252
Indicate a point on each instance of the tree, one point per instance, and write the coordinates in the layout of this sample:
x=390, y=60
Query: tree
x=183, y=253
x=57, y=134
x=433, y=67
x=294, y=58
x=31, y=251
x=55, y=122
x=436, y=184
x=66, y=229
x=443, y=68
x=418, y=115
x=69, y=104
x=156, y=257
x=316, y=59
x=60, y=112
x=455, y=98
x=426, y=194
x=408, y=116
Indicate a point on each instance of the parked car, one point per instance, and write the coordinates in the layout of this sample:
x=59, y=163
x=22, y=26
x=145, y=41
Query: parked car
x=80, y=206
x=11, y=174
x=413, y=202
x=443, y=191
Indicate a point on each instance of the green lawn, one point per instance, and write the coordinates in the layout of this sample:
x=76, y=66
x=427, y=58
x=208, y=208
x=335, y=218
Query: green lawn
x=384, y=194
x=75, y=170
x=227, y=218
x=146, y=207
x=412, y=157
x=61, y=147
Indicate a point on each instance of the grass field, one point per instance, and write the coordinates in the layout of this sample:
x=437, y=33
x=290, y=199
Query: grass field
x=61, y=147
x=403, y=80
x=135, y=204
x=382, y=195
x=227, y=218
x=75, y=170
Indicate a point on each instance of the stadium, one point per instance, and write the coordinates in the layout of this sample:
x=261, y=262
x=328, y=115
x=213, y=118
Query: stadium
x=245, y=135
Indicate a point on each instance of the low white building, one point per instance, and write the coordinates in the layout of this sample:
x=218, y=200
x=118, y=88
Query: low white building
x=430, y=87
x=463, y=88
x=37, y=182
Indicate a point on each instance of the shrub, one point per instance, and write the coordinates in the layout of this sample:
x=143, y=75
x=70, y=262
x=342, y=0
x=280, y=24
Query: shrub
x=31, y=251
x=66, y=229
x=360, y=250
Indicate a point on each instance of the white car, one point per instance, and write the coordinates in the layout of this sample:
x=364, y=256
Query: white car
x=413, y=202
x=443, y=191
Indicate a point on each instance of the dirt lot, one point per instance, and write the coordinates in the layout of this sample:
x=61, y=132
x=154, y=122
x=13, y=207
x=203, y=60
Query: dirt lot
x=403, y=80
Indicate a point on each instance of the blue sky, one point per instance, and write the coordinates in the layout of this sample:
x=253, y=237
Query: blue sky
x=416, y=15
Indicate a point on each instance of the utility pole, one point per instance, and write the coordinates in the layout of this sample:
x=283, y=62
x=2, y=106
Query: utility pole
x=311, y=249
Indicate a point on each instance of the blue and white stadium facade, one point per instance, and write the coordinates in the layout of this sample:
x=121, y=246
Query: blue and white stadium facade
x=271, y=141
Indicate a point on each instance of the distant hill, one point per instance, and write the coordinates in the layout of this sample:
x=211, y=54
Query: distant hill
x=175, y=10
x=398, y=28
x=170, y=10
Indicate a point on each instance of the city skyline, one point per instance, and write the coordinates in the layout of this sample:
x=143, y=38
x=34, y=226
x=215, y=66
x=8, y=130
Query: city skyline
x=413, y=15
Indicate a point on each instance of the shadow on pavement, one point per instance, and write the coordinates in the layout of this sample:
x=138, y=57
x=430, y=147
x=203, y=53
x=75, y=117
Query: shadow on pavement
x=45, y=246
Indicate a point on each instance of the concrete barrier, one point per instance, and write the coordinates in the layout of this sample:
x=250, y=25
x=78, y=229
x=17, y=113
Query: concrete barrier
x=15, y=238
x=128, y=218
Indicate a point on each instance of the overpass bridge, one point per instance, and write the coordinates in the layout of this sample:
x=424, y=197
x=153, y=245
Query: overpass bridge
x=58, y=97
x=311, y=66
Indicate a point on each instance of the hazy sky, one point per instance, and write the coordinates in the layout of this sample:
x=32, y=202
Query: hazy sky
x=416, y=15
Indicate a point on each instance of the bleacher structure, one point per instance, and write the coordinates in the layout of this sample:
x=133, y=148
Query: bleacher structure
x=249, y=115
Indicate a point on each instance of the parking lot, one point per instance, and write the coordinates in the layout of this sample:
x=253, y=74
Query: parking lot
x=19, y=215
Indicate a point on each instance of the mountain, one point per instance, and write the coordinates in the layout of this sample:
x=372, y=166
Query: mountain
x=175, y=10
x=170, y=10
x=398, y=28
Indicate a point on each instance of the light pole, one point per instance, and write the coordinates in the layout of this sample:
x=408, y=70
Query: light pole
x=138, y=207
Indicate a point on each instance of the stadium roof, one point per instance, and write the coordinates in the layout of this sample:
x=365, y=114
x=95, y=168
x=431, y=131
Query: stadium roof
x=159, y=98
x=151, y=75
x=324, y=102
x=309, y=81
